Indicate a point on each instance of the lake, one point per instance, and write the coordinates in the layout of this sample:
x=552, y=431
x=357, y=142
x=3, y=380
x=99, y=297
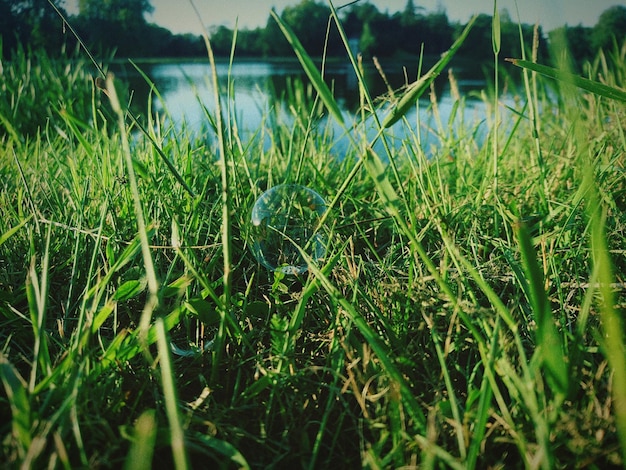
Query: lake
x=258, y=85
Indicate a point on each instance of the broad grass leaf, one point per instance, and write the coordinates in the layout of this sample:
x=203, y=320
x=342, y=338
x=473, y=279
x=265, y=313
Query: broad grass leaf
x=310, y=69
x=144, y=439
x=129, y=289
x=13, y=230
x=226, y=450
x=592, y=86
x=550, y=346
x=17, y=396
x=206, y=311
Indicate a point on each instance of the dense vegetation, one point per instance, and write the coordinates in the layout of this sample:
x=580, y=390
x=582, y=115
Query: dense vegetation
x=468, y=312
x=120, y=27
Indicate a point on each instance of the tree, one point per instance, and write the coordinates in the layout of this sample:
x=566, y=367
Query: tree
x=126, y=13
x=8, y=28
x=409, y=15
x=356, y=17
x=440, y=32
x=611, y=26
x=367, y=42
x=31, y=23
x=274, y=42
x=116, y=25
x=309, y=20
x=221, y=40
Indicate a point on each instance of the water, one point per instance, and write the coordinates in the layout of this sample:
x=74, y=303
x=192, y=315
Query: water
x=185, y=87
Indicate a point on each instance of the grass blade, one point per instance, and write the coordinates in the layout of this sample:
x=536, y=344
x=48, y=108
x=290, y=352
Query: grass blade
x=496, y=36
x=153, y=285
x=17, y=394
x=417, y=88
x=226, y=200
x=177, y=435
x=550, y=346
x=310, y=69
x=144, y=438
x=612, y=319
x=37, y=295
x=13, y=230
x=592, y=86
x=373, y=339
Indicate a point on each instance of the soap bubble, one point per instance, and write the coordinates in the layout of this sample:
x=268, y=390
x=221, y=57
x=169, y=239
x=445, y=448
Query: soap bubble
x=283, y=217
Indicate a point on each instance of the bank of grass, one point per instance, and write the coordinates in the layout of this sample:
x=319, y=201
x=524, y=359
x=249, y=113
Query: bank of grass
x=458, y=320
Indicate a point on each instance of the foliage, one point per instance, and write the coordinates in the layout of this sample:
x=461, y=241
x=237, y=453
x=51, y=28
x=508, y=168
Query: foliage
x=119, y=26
x=127, y=13
x=453, y=323
x=576, y=42
x=610, y=29
x=29, y=23
x=479, y=48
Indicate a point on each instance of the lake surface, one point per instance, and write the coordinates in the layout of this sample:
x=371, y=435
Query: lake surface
x=185, y=87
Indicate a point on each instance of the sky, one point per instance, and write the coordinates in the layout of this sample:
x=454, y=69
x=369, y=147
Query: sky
x=179, y=16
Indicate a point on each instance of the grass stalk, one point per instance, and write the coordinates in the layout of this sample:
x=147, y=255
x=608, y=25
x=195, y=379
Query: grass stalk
x=168, y=379
x=151, y=277
x=427, y=337
x=495, y=42
x=37, y=293
x=612, y=323
x=551, y=353
x=144, y=438
x=224, y=164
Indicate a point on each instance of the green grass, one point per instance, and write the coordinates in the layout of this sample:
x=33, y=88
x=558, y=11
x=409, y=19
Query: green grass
x=458, y=320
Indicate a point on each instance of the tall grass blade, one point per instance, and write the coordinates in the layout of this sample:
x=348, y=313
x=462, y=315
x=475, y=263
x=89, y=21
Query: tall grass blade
x=373, y=339
x=13, y=230
x=495, y=43
x=592, y=86
x=17, y=394
x=37, y=295
x=226, y=200
x=310, y=69
x=496, y=36
x=177, y=435
x=612, y=319
x=549, y=343
x=417, y=89
x=142, y=446
x=173, y=170
x=486, y=392
x=151, y=277
x=457, y=421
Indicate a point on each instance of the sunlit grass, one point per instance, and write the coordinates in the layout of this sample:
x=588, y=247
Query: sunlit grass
x=453, y=323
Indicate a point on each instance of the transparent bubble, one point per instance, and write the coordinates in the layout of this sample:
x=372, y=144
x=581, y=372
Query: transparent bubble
x=283, y=218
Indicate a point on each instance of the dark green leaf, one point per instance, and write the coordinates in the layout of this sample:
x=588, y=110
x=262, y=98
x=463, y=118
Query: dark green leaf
x=129, y=289
x=206, y=311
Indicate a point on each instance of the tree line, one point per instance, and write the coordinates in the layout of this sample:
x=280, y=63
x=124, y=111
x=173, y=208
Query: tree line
x=120, y=27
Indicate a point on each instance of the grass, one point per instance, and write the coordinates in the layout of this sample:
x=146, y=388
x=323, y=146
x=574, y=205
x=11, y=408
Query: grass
x=456, y=321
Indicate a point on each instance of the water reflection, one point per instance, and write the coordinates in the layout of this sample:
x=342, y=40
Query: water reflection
x=185, y=91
